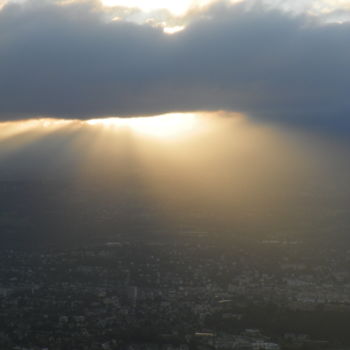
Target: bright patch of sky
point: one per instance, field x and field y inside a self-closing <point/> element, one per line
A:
<point x="313" y="7"/>
<point x="180" y="7"/>
<point x="172" y="15"/>
<point x="176" y="7"/>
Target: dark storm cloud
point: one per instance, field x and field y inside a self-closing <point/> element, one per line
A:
<point x="71" y="61"/>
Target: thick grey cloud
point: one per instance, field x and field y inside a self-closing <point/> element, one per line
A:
<point x="71" y="61"/>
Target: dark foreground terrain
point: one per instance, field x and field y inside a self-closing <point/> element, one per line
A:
<point x="112" y="273"/>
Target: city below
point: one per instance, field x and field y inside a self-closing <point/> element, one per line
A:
<point x="171" y="287"/>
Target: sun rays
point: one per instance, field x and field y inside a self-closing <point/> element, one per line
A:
<point x="220" y="162"/>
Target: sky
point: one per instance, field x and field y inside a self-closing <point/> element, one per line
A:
<point x="240" y="108"/>
<point x="271" y="60"/>
<point x="164" y="71"/>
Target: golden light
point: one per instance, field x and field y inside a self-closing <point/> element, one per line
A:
<point x="16" y="135"/>
<point x="16" y="128"/>
<point x="167" y="126"/>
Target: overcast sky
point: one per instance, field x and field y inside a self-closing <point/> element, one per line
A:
<point x="82" y="60"/>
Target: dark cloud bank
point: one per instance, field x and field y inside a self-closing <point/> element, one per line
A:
<point x="72" y="62"/>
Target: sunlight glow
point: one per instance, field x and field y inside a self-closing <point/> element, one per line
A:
<point x="164" y="126"/>
<point x="15" y="128"/>
<point x="19" y="134"/>
<point x="173" y="30"/>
